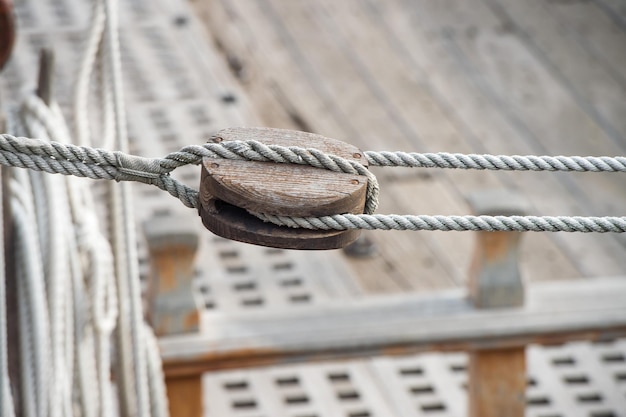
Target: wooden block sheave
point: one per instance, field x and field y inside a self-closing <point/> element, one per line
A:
<point x="229" y="189"/>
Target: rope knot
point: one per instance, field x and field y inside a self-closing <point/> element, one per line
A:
<point x="253" y="150"/>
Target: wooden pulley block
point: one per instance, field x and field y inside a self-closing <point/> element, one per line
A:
<point x="229" y="189"/>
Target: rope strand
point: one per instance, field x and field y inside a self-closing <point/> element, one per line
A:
<point x="453" y="223"/>
<point x="82" y="161"/>
<point x="498" y="162"/>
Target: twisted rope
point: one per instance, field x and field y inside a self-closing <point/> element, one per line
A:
<point x="498" y="162"/>
<point x="82" y="161"/>
<point x="453" y="223"/>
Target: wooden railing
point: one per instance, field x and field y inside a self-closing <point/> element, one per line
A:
<point x="494" y="320"/>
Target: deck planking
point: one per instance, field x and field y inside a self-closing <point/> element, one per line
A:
<point x="446" y="76"/>
<point x="176" y="82"/>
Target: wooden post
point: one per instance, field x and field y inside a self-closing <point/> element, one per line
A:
<point x="172" y="243"/>
<point x="497" y="377"/>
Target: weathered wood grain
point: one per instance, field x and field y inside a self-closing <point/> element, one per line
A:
<point x="230" y="188"/>
<point x="386" y="76"/>
<point x="235" y="223"/>
<point x="596" y="86"/>
<point x="527" y="91"/>
<point x="600" y="26"/>
<point x="286" y="189"/>
<point x="497" y="383"/>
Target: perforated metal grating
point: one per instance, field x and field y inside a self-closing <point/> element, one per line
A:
<point x="179" y="91"/>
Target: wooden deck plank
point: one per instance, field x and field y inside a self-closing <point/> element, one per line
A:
<point x="300" y="92"/>
<point x="252" y="44"/>
<point x="410" y="106"/>
<point x="469" y="103"/>
<point x="542" y="251"/>
<point x="591" y="83"/>
<point x="531" y="85"/>
<point x="600" y="26"/>
<point x="487" y="121"/>
<point x="558" y="118"/>
<point x="333" y="77"/>
<point x="454" y="252"/>
<point x="399" y="106"/>
<point x="388" y="78"/>
<point x="426" y="98"/>
<point x="434" y="128"/>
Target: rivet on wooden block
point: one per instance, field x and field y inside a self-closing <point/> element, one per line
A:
<point x="172" y="244"/>
<point x="231" y="188"/>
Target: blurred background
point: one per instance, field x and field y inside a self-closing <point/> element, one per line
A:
<point x="541" y="77"/>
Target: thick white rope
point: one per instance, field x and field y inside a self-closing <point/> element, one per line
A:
<point x="130" y="319"/>
<point x="84" y="343"/>
<point x="79" y="335"/>
<point x="102" y="56"/>
<point x="84" y="350"/>
<point x="158" y="395"/>
<point x="97" y="163"/>
<point x="132" y="353"/>
<point x="52" y="193"/>
<point x="62" y="283"/>
<point x="93" y="368"/>
<point x="32" y="302"/>
<point x="497" y="162"/>
<point x="81" y="95"/>
<point x="105" y="316"/>
<point x="103" y="164"/>
<point x="6" y="396"/>
<point x="454" y="223"/>
<point x="14" y="126"/>
<point x="97" y="399"/>
<point x="69" y="349"/>
<point x="34" y="320"/>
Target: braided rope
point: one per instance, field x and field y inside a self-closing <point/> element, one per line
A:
<point x="81" y="161"/>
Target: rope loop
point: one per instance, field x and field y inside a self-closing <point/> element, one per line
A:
<point x="252" y="150"/>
